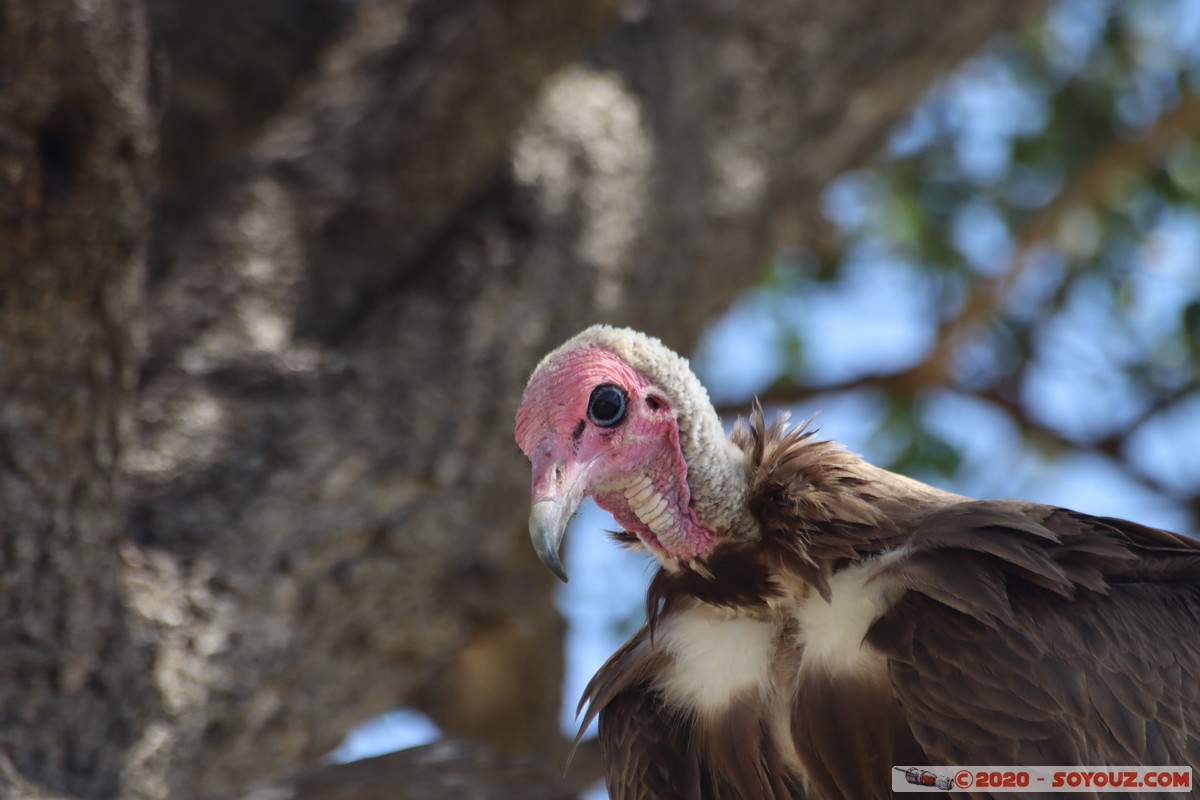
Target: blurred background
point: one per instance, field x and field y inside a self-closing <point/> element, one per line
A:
<point x="273" y="274"/>
<point x="1006" y="303"/>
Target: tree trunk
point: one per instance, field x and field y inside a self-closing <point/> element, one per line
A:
<point x="256" y="464"/>
<point x="77" y="140"/>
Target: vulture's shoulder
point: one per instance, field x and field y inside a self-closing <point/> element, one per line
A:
<point x="799" y="482"/>
<point x="814" y="495"/>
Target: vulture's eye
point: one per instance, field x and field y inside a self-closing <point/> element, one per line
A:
<point x="607" y="405"/>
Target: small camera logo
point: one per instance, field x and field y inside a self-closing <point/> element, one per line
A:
<point x="923" y="777"/>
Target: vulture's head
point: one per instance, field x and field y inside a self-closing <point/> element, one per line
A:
<point x="615" y="415"/>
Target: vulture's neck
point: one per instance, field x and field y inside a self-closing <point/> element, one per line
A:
<point x="717" y="475"/>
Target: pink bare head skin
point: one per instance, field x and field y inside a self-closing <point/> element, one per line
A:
<point x="664" y="468"/>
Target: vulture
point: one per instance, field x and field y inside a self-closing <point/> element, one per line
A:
<point x="815" y="621"/>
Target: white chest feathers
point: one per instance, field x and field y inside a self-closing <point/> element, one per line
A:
<point x="716" y="657"/>
<point x="831" y="633"/>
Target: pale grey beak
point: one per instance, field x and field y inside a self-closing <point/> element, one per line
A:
<point x="548" y="520"/>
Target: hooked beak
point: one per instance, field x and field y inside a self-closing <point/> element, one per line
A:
<point x="556" y="494"/>
<point x="547" y="524"/>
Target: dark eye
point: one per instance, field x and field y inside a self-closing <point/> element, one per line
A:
<point x="607" y="405"/>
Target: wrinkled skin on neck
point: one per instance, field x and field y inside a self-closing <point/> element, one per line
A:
<point x="635" y="470"/>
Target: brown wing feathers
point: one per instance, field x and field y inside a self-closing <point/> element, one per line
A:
<point x="1065" y="643"/>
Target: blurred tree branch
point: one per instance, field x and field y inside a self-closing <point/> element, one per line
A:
<point x="912" y="382"/>
<point x="1087" y="185"/>
<point x="451" y="768"/>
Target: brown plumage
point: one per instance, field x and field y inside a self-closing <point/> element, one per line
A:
<point x="862" y="620"/>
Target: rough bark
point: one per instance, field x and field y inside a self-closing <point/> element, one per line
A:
<point x="76" y="140"/>
<point x="225" y="67"/>
<point x="299" y="503"/>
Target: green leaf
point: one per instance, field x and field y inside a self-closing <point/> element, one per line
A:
<point x="1191" y="324"/>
